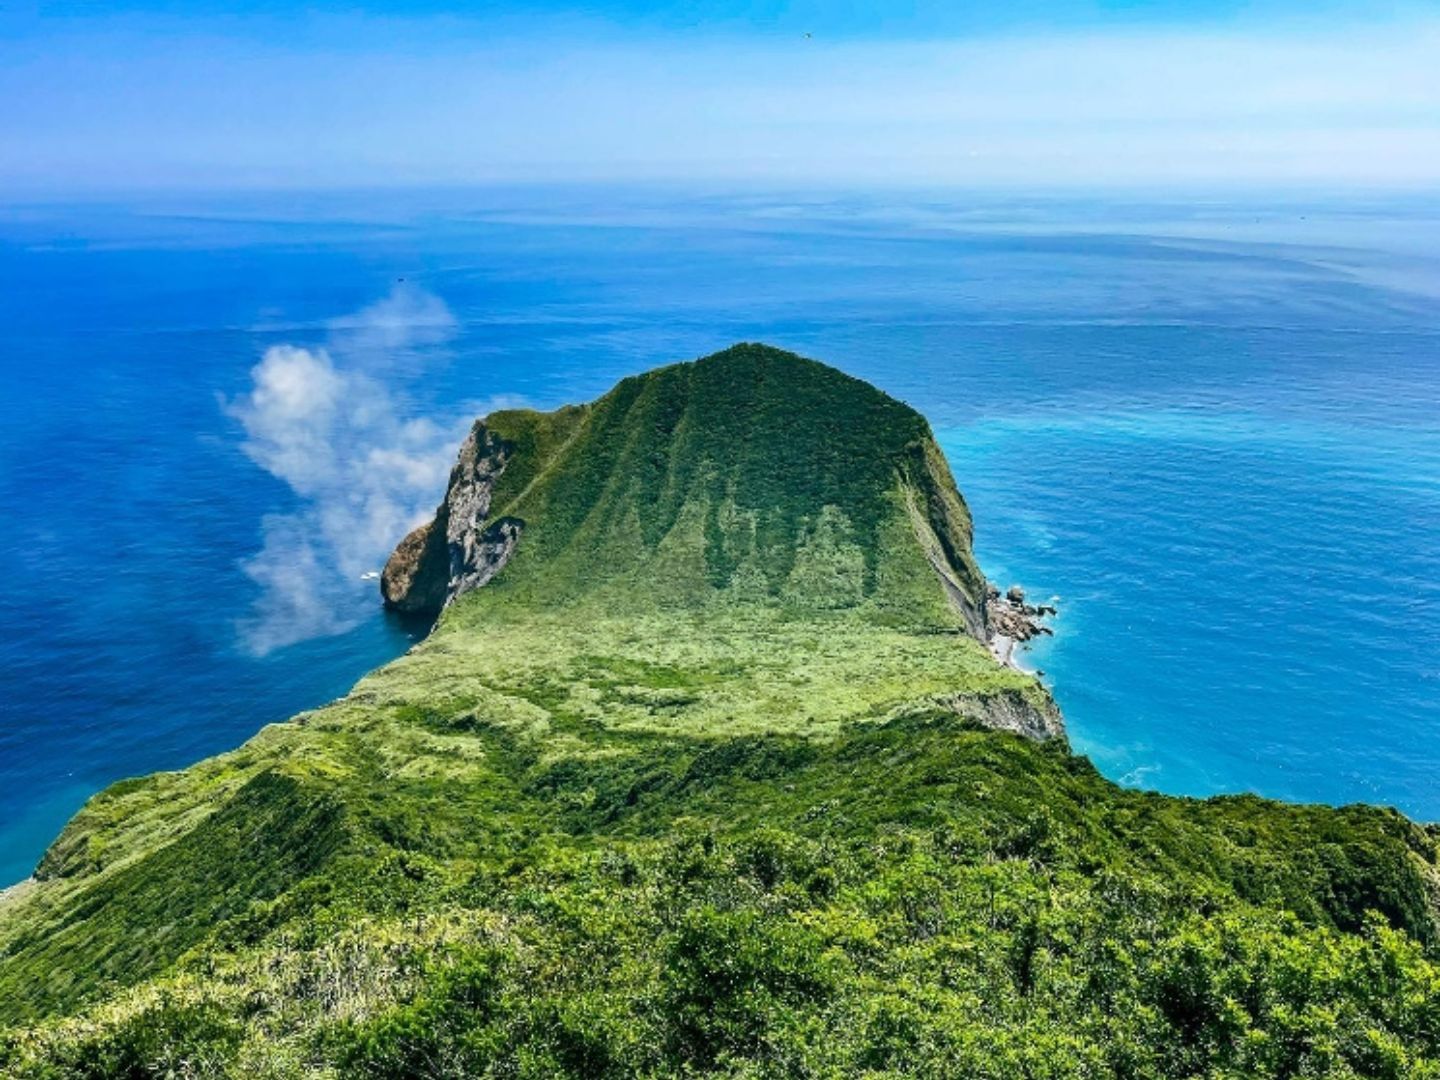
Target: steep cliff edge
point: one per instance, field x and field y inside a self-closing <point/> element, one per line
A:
<point x="459" y="549"/>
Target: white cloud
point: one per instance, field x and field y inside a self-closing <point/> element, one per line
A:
<point x="331" y="429"/>
<point x="407" y="320"/>
<point x="298" y="594"/>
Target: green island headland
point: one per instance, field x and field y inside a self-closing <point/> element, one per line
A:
<point x="708" y="767"/>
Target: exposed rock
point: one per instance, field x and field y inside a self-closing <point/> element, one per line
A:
<point x="414" y="579"/>
<point x="1029" y="713"/>
<point x="477" y="549"/>
<point x="17" y="891"/>
<point x="480" y="555"/>
<point x="941" y="521"/>
<point x="467" y="500"/>
<point x="460" y="549"/>
<point x="1011" y="620"/>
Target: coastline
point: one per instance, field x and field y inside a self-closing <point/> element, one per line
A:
<point x="14" y="892"/>
<point x="1014" y="622"/>
<point x="1007" y="651"/>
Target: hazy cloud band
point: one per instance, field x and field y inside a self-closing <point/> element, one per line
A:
<point x="1345" y="102"/>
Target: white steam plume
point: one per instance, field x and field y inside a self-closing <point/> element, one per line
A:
<point x="325" y="422"/>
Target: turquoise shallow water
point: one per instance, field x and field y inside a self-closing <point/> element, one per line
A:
<point x="1210" y="427"/>
<point x="1245" y="599"/>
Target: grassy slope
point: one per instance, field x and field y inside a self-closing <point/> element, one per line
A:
<point x="750" y="477"/>
<point x="673" y="794"/>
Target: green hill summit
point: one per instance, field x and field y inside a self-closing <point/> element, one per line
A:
<point x="707" y="769"/>
<point x="749" y="477"/>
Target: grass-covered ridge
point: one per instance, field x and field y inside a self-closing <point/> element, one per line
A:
<point x="753" y="476"/>
<point x="696" y="786"/>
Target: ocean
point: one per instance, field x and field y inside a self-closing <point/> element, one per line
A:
<point x="1208" y="426"/>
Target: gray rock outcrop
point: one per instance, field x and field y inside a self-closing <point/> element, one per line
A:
<point x="460" y="549"/>
<point x="1034" y="715"/>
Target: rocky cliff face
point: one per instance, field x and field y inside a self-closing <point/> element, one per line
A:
<point x="461" y="549"/>
<point x="413" y="580"/>
<point x="1032" y="714"/>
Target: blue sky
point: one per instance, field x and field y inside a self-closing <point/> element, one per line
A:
<point x="129" y="95"/>
<point x="907" y="18"/>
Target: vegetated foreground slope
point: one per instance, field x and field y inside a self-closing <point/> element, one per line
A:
<point x="701" y="782"/>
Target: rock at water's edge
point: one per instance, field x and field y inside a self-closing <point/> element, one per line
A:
<point x="413" y="582"/>
<point x="459" y="550"/>
<point x="1010" y="617"/>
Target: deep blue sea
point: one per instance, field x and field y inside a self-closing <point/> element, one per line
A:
<point x="1209" y="426"/>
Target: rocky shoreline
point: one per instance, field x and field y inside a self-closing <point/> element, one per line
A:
<point x="1013" y="621"/>
<point x="14" y="892"/>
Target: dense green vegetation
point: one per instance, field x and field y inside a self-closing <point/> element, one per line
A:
<point x="699" y="786"/>
<point x="919" y="897"/>
<point x="751" y="476"/>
